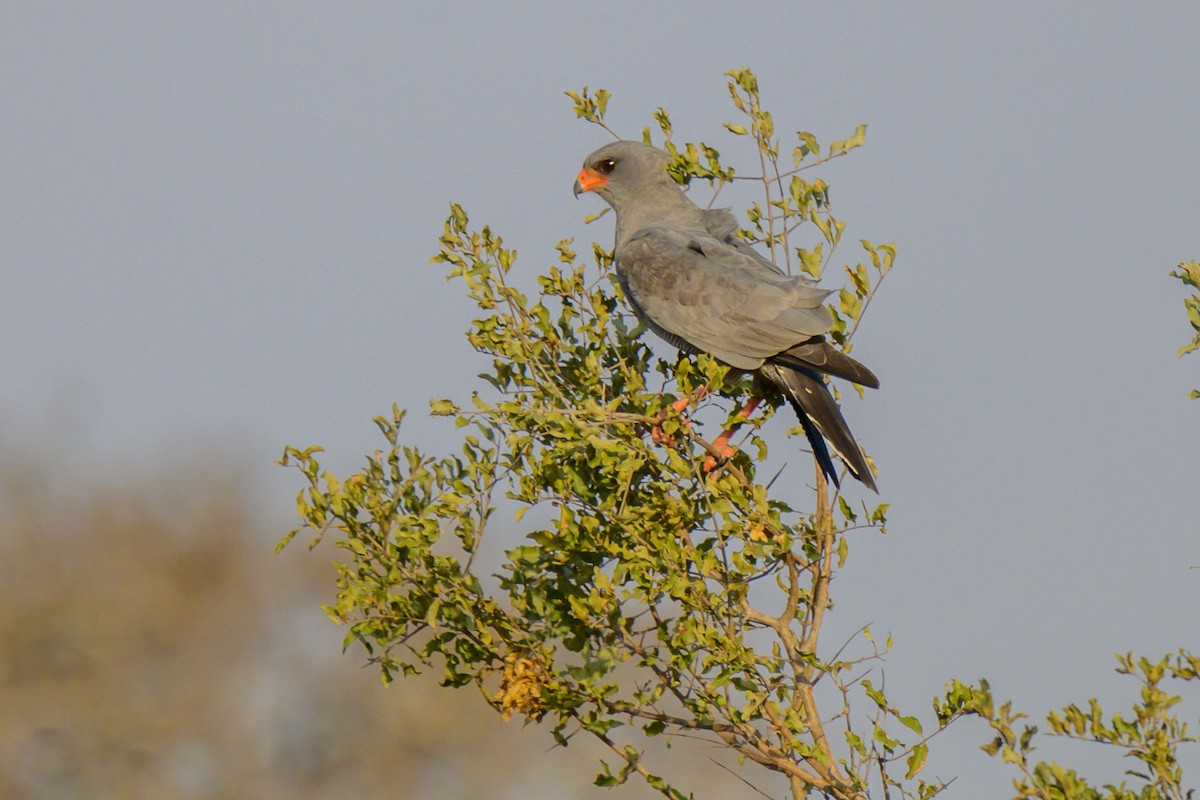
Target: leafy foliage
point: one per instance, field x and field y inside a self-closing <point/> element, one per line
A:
<point x="653" y="597"/>
<point x="1189" y="273"/>
<point x="1151" y="734"/>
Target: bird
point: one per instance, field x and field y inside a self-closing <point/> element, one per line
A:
<point x="692" y="280"/>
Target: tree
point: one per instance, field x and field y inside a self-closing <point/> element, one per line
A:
<point x="652" y="597"/>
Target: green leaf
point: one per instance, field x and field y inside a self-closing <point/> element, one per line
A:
<point x="916" y="760"/>
<point x="848" y="144"/>
<point x="606" y="778"/>
<point x="442" y="407"/>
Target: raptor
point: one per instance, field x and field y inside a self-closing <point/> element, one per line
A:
<point x="692" y="280"/>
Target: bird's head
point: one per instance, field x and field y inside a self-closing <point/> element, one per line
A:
<point x="624" y="170"/>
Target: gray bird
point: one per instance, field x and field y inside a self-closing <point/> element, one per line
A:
<point x="694" y="282"/>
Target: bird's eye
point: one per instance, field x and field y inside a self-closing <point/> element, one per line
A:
<point x="606" y="166"/>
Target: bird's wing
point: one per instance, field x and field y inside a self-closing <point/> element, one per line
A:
<point x="696" y="290"/>
<point x="721" y="223"/>
<point x="816" y="352"/>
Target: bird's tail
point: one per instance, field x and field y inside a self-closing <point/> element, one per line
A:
<point x="822" y="421"/>
<point x="818" y="354"/>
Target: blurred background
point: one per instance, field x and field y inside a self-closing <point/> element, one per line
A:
<point x="155" y="648"/>
<point x="214" y="228"/>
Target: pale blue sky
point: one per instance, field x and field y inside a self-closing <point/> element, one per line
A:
<point x="215" y="223"/>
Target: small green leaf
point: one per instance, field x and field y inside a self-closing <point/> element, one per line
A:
<point x="442" y="407"/>
<point x="916" y="760"/>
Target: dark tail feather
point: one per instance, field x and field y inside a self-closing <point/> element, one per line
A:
<point x="819" y="449"/>
<point x="822" y="420"/>
<point x="820" y="355"/>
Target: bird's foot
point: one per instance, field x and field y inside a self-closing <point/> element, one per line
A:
<point x="657" y="435"/>
<point x="719" y="452"/>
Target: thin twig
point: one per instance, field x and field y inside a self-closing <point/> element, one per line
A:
<point x="740" y="778"/>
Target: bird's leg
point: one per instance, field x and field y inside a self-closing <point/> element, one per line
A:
<point x="721" y="444"/>
<point x="656" y="433"/>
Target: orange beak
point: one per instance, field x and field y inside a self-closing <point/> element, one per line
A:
<point x="588" y="180"/>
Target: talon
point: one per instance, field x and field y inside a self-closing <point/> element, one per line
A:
<point x="721" y="444"/>
<point x="656" y="433"/>
<point x="725" y="451"/>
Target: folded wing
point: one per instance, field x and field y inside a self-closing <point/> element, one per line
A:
<point x="700" y="292"/>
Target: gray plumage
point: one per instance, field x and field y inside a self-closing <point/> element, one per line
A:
<point x="694" y="282"/>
